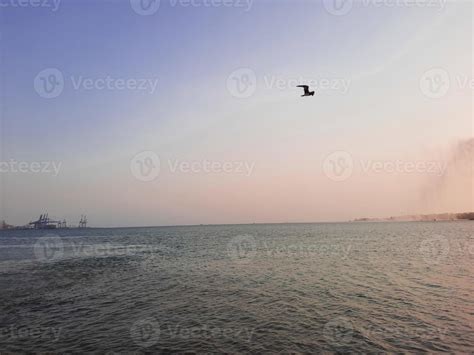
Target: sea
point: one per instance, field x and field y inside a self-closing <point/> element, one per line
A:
<point x="261" y="288"/>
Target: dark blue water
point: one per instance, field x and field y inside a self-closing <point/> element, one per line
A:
<point x="366" y="287"/>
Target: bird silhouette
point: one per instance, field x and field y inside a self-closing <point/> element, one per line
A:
<point x="306" y="90"/>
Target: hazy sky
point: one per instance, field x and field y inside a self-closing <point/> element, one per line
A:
<point x="210" y="92"/>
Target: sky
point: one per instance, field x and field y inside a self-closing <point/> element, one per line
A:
<point x="142" y="113"/>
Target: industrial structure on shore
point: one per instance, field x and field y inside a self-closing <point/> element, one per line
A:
<point x="83" y="222"/>
<point x="44" y="222"/>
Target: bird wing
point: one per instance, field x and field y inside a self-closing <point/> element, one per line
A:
<point x="305" y="87"/>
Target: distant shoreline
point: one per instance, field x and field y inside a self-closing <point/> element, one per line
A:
<point x="437" y="217"/>
<point x="441" y="217"/>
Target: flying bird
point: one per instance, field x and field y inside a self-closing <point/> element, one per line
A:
<point x="306" y="90"/>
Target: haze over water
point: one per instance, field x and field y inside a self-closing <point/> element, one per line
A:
<point x="366" y="287"/>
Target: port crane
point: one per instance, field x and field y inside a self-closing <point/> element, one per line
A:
<point x="44" y="222"/>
